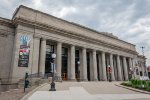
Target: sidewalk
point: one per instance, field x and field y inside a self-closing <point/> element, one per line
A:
<point x="86" y="91"/>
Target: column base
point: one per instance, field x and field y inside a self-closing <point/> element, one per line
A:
<point x="95" y="80"/>
<point x="72" y="80"/>
<point x="104" y="80"/>
<point x="85" y="80"/>
<point x="120" y="80"/>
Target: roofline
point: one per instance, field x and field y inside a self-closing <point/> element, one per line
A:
<point x="6" y="22"/>
<point x="5" y="19"/>
<point x="22" y="6"/>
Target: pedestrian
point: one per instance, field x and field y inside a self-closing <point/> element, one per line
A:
<point x="26" y="82"/>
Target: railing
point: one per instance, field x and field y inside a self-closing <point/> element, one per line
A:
<point x="38" y="75"/>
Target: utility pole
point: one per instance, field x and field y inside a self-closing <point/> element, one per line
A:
<point x="145" y="73"/>
<point x="142" y="49"/>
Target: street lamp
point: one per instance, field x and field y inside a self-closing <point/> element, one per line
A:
<point x="78" y="71"/>
<point x="131" y="72"/>
<point x="109" y="72"/>
<point x="53" y="83"/>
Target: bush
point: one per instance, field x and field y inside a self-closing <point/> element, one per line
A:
<point x="148" y="84"/>
<point x="140" y="84"/>
<point x="135" y="82"/>
<point x="126" y="84"/>
<point x="148" y="89"/>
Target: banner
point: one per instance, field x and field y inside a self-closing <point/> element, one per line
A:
<point x="53" y="67"/>
<point x="24" y="51"/>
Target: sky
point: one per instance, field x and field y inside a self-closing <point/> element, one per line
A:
<point x="129" y="20"/>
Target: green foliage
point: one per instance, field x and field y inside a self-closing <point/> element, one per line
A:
<point x="126" y="83"/>
<point x="148" y="83"/>
<point x="148" y="89"/>
<point x="140" y="84"/>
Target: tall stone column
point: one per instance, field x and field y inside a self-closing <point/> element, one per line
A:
<point x="104" y="66"/>
<point x="125" y="68"/>
<point x="131" y="67"/>
<point x="72" y="60"/>
<point x="95" y="75"/>
<point x="69" y="65"/>
<point x="58" y="59"/>
<point x="134" y="64"/>
<point x="84" y="64"/>
<point x="112" y="68"/>
<point x="115" y="68"/>
<point x="91" y="67"/>
<point x="80" y="66"/>
<point x="100" y="67"/>
<point x="119" y="68"/>
<point x="130" y="63"/>
<point x="42" y="57"/>
<point x="36" y="47"/>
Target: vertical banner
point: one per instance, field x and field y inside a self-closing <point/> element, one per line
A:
<point x="24" y="51"/>
<point x="53" y="67"/>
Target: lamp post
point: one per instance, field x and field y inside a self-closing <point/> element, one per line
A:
<point x="53" y="83"/>
<point x="78" y="71"/>
<point x="109" y="72"/>
<point x="131" y="72"/>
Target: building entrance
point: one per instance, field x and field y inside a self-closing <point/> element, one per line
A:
<point x="64" y="63"/>
<point x="48" y="59"/>
<point x="77" y="69"/>
<point x="88" y="65"/>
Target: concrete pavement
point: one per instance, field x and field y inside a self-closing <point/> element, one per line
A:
<point x="87" y="91"/>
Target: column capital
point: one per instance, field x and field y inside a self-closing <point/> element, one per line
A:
<point x="93" y="50"/>
<point x="84" y="48"/>
<point x="111" y="54"/>
<point x="72" y="45"/>
<point x="118" y="55"/>
<point x="102" y="51"/>
<point x="59" y="42"/>
<point x="124" y="57"/>
<point x="43" y="39"/>
<point x="36" y="37"/>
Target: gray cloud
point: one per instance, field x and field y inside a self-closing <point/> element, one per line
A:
<point x="127" y="19"/>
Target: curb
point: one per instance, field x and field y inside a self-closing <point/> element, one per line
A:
<point x="133" y="89"/>
<point x="31" y="92"/>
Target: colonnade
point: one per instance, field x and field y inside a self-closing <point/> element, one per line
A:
<point x="98" y="63"/>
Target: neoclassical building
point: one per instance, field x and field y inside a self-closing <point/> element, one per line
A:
<point x="28" y="40"/>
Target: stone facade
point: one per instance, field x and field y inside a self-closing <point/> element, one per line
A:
<point x="96" y="50"/>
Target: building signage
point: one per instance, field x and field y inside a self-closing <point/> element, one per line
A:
<point x="24" y="51"/>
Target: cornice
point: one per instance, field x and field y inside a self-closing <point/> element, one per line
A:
<point x="6" y="22"/>
<point x="75" y="24"/>
<point x="66" y="33"/>
<point x="6" y="32"/>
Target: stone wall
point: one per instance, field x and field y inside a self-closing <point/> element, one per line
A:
<point x="6" y="50"/>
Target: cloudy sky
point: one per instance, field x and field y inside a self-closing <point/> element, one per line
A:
<point x="127" y="19"/>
